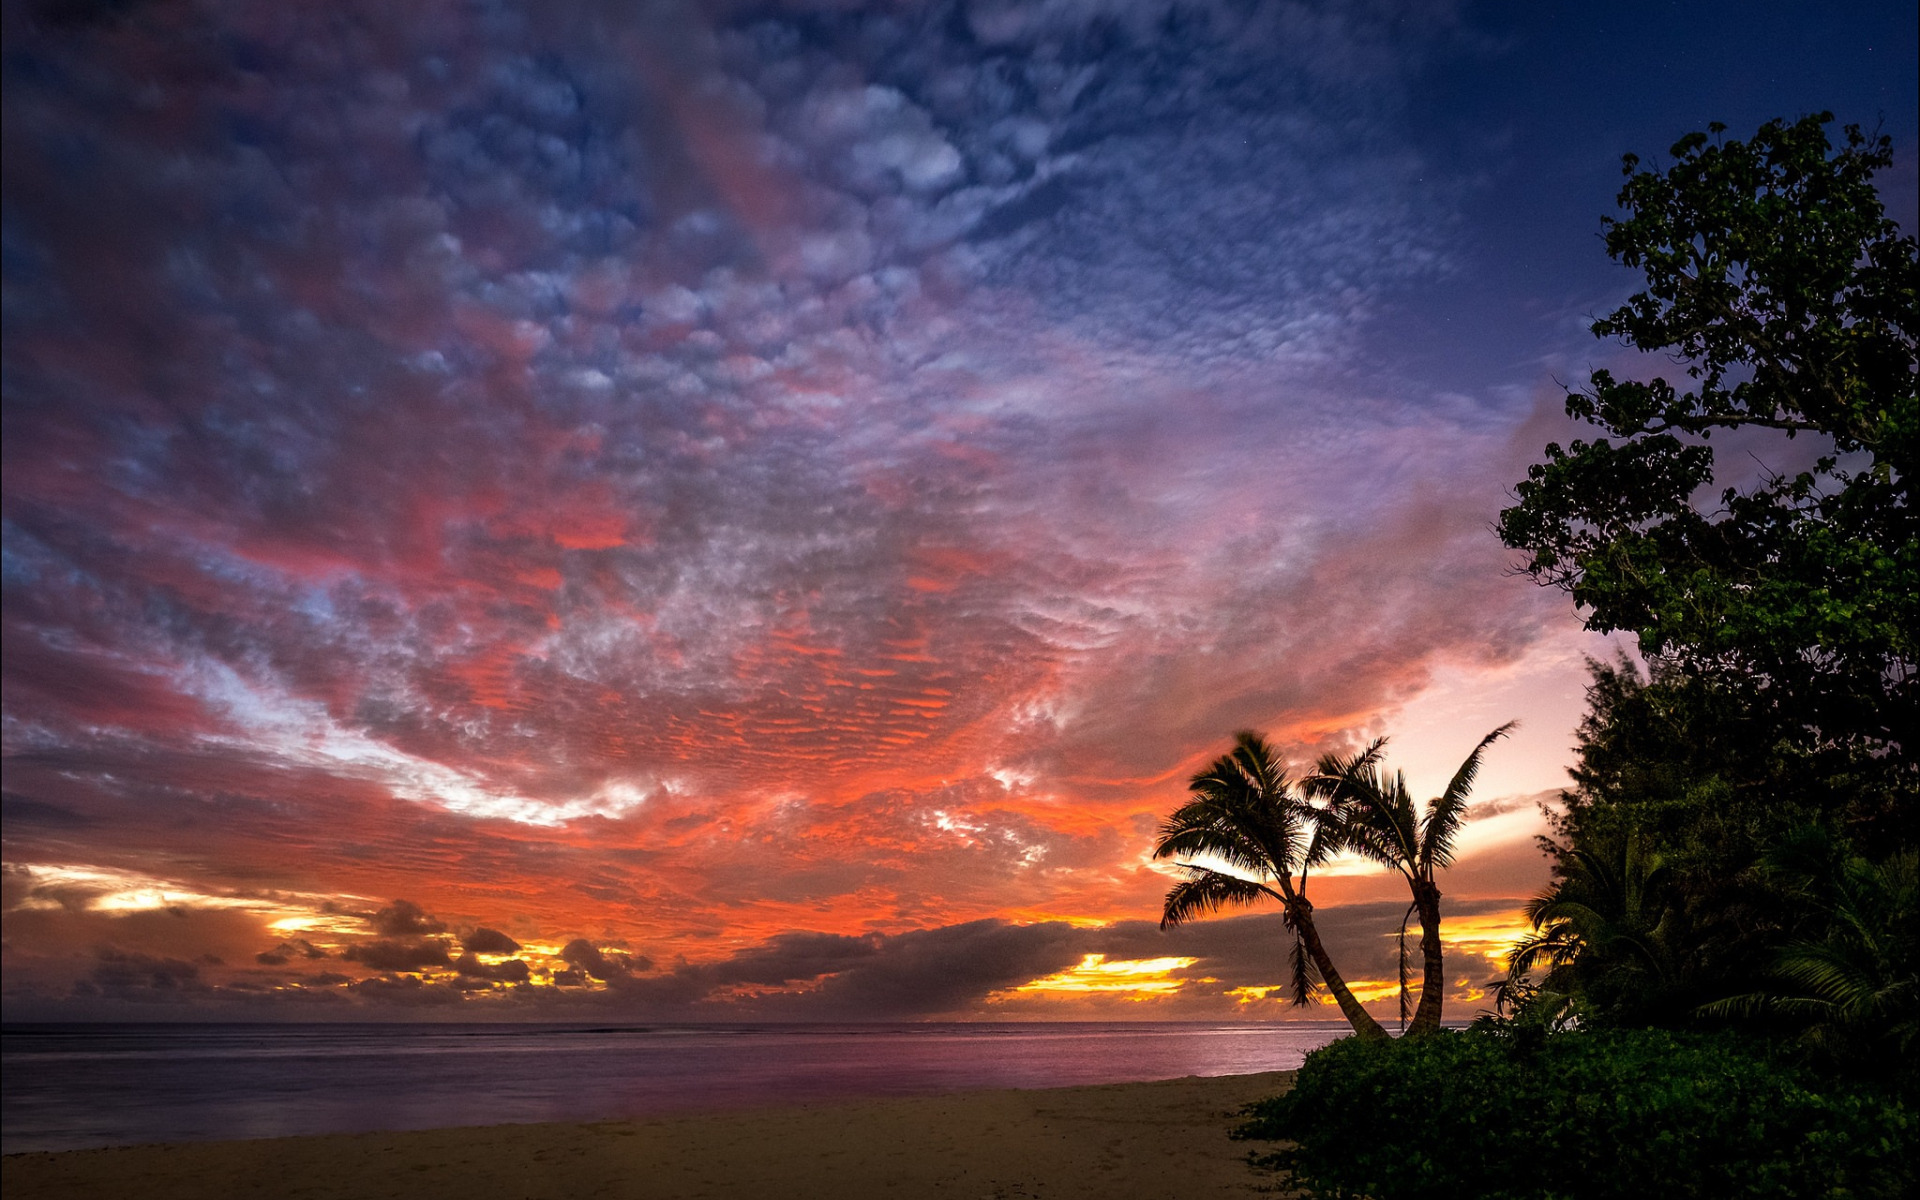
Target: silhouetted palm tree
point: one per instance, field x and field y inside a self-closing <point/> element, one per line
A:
<point x="1854" y="990"/>
<point x="1376" y="817"/>
<point x="1246" y="815"/>
<point x="1603" y="933"/>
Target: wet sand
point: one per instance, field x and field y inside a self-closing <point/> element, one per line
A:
<point x="1151" y="1141"/>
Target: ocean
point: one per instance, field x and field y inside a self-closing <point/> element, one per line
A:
<point x="68" y="1087"/>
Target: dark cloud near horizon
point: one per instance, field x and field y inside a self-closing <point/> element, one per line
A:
<point x="17" y="809"/>
<point x="513" y="970"/>
<point x="405" y="991"/>
<point x="489" y="941"/>
<point x="606" y="966"/>
<point x="810" y="976"/>
<point x="287" y="951"/>
<point x="403" y="918"/>
<point x="944" y="970"/>
<point x="387" y="954"/>
<point x="131" y="975"/>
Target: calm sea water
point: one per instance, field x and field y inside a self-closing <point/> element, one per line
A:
<point x="69" y="1087"/>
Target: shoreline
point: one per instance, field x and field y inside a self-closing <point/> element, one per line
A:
<point x="1166" y="1138"/>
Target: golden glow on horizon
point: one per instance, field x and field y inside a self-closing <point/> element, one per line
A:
<point x="319" y="922"/>
<point x="1488" y="936"/>
<point x="1366" y="991"/>
<point x="1128" y="976"/>
<point x="119" y="893"/>
<point x="337" y="940"/>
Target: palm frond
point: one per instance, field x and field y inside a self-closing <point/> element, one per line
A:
<point x="1275" y="819"/>
<point x="1263" y="767"/>
<point x="1552" y="947"/>
<point x="1741" y="1007"/>
<point x="1360" y="834"/>
<point x="1448" y="812"/>
<point x="1565" y="910"/>
<point x="1322" y="844"/>
<point x="1207" y="891"/>
<point x="1230" y="824"/>
<point x="1243" y="810"/>
<point x="1400" y="816"/>
<point x="1333" y="770"/>
<point x="1305" y="981"/>
<point x="1229" y="845"/>
<point x="1373" y="815"/>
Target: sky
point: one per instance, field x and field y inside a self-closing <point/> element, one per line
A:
<point x="754" y="511"/>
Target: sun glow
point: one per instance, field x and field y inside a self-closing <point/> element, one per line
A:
<point x="1137" y="976"/>
<point x="1490" y="936"/>
<point x="320" y="921"/>
<point x="111" y="890"/>
<point x="1367" y="990"/>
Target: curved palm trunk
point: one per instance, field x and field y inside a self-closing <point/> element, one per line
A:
<point x="1433" y="985"/>
<point x="1301" y="913"/>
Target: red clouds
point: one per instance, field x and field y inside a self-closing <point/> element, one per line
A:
<point x="669" y="502"/>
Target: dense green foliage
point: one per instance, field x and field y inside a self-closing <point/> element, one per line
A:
<point x="1518" y="1114"/>
<point x="1853" y="992"/>
<point x="1774" y="276"/>
<point x="1705" y="874"/>
<point x="1720" y="994"/>
<point x="1778" y="624"/>
<point x="1660" y="904"/>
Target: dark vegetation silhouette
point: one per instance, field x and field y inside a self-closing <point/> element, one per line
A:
<point x="1720" y="995"/>
<point x="1602" y="940"/>
<point x="1247" y="813"/>
<point x="1853" y="993"/>
<point x="1375" y="816"/>
<point x="1778" y="622"/>
<point x="1776" y="280"/>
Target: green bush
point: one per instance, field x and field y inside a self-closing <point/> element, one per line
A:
<point x="1582" y="1115"/>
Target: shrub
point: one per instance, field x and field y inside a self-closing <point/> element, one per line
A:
<point x="1586" y="1115"/>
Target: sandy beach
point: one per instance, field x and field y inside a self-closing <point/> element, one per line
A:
<point x="1147" y="1140"/>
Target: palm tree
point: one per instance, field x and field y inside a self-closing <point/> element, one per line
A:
<point x="1603" y="934"/>
<point x="1376" y="817"/>
<point x="1854" y="989"/>
<point x="1245" y="815"/>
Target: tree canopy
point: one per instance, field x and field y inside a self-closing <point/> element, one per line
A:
<point x="1739" y="847"/>
<point x="1777" y="618"/>
<point x="1776" y="281"/>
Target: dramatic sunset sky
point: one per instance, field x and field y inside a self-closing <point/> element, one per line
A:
<point x="753" y="511"/>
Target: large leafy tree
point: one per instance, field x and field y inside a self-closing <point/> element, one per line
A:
<point x="1375" y="815"/>
<point x="1247" y="815"/>
<point x="1777" y="618"/>
<point x="1775" y="280"/>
